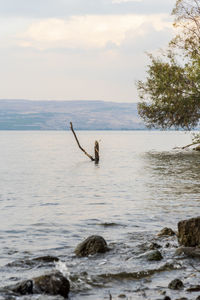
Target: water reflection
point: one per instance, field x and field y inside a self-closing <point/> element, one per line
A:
<point x="178" y="167"/>
<point x="173" y="180"/>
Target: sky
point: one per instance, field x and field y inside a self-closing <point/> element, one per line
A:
<point x="79" y="49"/>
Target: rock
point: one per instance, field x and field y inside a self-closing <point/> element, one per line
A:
<point x="198" y="298"/>
<point x="52" y="284"/>
<point x="23" y="288"/>
<point x="154" y="255"/>
<point x="175" y="284"/>
<point x="92" y="245"/>
<point x="189" y="232"/>
<point x="166" y="232"/>
<point x="46" y="259"/>
<point x="193" y="288"/>
<point x="182" y="298"/>
<point x="154" y="246"/>
<point x="167" y="298"/>
<point x="189" y="251"/>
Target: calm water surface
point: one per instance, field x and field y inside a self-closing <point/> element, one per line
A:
<point x="52" y="197"/>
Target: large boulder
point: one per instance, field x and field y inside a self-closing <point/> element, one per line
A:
<point x="51" y="284"/>
<point x="189" y="232"/>
<point x="92" y="245"/>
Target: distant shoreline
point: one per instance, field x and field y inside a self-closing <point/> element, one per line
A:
<point x="29" y="115"/>
<point x="57" y="130"/>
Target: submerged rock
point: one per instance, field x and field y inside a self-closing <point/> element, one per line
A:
<point x="47" y="259"/>
<point x="166" y="232"/>
<point x="189" y="232"/>
<point x="154" y="255"/>
<point x="51" y="284"/>
<point x="92" y="245"/>
<point x="193" y="288"/>
<point x="175" y="284"/>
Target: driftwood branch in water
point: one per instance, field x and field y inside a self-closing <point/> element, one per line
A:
<point x="88" y="155"/>
<point x="187" y="146"/>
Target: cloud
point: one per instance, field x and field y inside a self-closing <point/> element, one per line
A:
<point x="88" y="32"/>
<point x="63" y="8"/>
<point x="78" y="49"/>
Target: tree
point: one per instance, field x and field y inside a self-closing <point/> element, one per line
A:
<point x="170" y="96"/>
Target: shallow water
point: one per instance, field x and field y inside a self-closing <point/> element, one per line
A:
<point x="52" y="197"/>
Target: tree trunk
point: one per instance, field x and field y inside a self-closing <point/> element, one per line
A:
<point x="96" y="152"/>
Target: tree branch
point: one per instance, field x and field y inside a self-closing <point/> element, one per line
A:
<point x="88" y="155"/>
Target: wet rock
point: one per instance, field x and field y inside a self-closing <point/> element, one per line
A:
<point x="182" y="298"/>
<point x="167" y="298"/>
<point x="23" y="288"/>
<point x="166" y="232"/>
<point x="46" y="259"/>
<point x="122" y="296"/>
<point x="175" y="284"/>
<point x="189" y="232"/>
<point x="92" y="245"/>
<point x="193" y="288"/>
<point x="154" y="255"/>
<point x="167" y="245"/>
<point x="154" y="246"/>
<point x="52" y="284"/>
<point x="198" y="298"/>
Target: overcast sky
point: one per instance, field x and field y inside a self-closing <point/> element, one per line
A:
<point x="79" y="49"/>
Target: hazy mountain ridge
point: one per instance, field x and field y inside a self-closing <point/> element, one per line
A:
<point x="56" y="115"/>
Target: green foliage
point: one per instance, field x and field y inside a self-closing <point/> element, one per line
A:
<point x="170" y="96"/>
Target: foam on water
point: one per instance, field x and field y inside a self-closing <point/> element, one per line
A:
<point x="62" y="267"/>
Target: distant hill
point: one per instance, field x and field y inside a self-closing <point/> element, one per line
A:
<point x="56" y="115"/>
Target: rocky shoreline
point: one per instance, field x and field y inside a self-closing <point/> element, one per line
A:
<point x="187" y="247"/>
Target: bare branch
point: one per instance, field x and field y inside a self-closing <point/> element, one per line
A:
<point x="88" y="155"/>
<point x="187" y="146"/>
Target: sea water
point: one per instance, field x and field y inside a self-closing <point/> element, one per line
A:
<point x="52" y="197"/>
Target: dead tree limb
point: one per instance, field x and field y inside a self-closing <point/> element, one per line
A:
<point x="187" y="146"/>
<point x="88" y="155"/>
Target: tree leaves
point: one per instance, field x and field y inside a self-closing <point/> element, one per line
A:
<point x="170" y="96"/>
